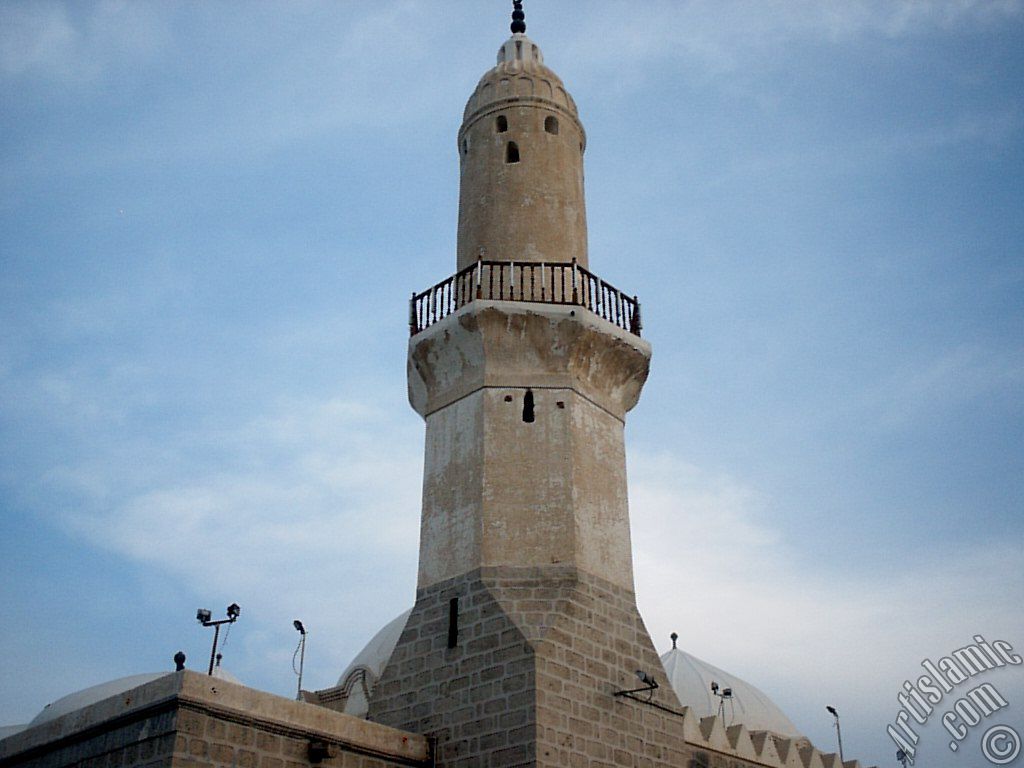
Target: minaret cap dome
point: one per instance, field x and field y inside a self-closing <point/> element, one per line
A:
<point x="520" y="75"/>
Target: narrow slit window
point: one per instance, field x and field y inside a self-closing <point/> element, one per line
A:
<point x="528" y="415"/>
<point x="465" y="147"/>
<point x="501" y="123"/>
<point x="512" y="152"/>
<point x="551" y="124"/>
<point x="453" y="622"/>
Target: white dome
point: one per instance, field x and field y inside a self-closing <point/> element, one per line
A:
<point x="89" y="696"/>
<point x="366" y="668"/>
<point x="96" y="693"/>
<point x="222" y="674"/>
<point x="10" y="730"/>
<point x="691" y="679"/>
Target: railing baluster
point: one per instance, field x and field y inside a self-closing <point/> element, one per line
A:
<point x="564" y="283"/>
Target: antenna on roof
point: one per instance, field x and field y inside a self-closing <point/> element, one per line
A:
<point x="518" y="18"/>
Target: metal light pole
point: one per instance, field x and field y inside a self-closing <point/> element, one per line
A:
<point x="301" y="650"/>
<point x="203" y="616"/>
<point x="839" y="733"/>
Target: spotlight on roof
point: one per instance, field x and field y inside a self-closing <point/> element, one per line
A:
<point x="727" y="693"/>
<point x="839" y="732"/>
<point x="300" y="651"/>
<point x="204" y="617"/>
<point x="645" y="678"/>
<point x="649" y="685"/>
<point x="714" y="687"/>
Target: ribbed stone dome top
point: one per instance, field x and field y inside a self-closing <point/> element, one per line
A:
<point x="691" y="679"/>
<point x="520" y="75"/>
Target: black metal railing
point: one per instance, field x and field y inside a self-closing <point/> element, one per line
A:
<point x="525" y="281"/>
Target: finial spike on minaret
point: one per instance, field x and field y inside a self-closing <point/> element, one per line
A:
<point x="518" y="18"/>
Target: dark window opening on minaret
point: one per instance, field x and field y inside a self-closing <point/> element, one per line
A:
<point x="551" y="124"/>
<point x="465" y="147"/>
<point x="501" y="123"/>
<point x="453" y="622"/>
<point x="528" y="416"/>
<point x="512" y="153"/>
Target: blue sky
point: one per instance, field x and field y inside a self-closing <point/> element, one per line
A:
<point x="213" y="214"/>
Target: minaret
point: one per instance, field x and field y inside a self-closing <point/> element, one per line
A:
<point x="523" y="365"/>
<point x="521" y="150"/>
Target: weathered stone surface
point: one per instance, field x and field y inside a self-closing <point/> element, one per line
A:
<point x="530" y="208"/>
<point x="525" y="459"/>
<point x="187" y="719"/>
<point x="555" y="707"/>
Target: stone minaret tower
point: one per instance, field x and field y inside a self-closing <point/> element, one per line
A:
<point x="524" y="365"/>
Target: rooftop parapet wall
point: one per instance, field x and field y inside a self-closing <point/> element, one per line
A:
<point x="186" y="719"/>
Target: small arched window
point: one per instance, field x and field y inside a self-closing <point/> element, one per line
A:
<point x="551" y="124"/>
<point x="501" y="123"/>
<point x="512" y="152"/>
<point x="465" y="147"/>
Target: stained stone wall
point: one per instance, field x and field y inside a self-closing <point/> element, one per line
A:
<point x="539" y="654"/>
<point x="188" y="720"/>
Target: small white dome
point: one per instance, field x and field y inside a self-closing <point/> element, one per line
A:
<point x="96" y="693"/>
<point x="222" y="674"/>
<point x="10" y="730"/>
<point x="691" y="679"/>
<point x="366" y="668"/>
<point x="91" y="695"/>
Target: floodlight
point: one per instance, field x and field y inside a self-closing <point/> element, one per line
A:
<point x="298" y="625"/>
<point x="644" y="677"/>
<point x="839" y="732"/>
<point x="203" y="615"/>
<point x="233" y="611"/>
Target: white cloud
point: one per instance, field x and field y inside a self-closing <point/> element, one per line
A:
<point x="927" y="388"/>
<point x="310" y="501"/>
<point x="721" y="36"/>
<point x="44" y="39"/>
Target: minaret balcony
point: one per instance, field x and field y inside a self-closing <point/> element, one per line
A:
<point x="562" y="283"/>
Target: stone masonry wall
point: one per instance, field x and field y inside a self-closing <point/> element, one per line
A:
<point x="188" y="720"/>
<point x="531" y="681"/>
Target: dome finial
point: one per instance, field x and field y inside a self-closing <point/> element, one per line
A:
<point x="674" y="637"/>
<point x="518" y="18"/>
